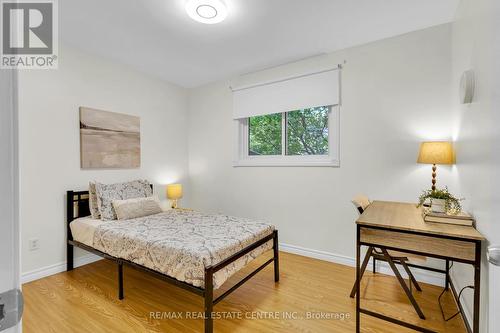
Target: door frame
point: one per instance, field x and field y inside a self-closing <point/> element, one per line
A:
<point x="9" y="180"/>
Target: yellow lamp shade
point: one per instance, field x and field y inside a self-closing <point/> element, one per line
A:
<point x="174" y="191"/>
<point x="436" y="152"/>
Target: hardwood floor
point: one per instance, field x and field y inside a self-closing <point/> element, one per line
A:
<point x="85" y="300"/>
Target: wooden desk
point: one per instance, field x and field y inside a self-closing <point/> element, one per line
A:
<point x="400" y="226"/>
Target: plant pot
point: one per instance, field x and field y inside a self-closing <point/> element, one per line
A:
<point x="438" y="205"/>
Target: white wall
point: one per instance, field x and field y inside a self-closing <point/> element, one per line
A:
<point x="49" y="143"/>
<point x="395" y="93"/>
<point x="476" y="45"/>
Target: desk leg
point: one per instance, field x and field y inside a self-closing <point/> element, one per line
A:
<point x="358" y="276"/>
<point x="477" y="283"/>
<point x="362" y="270"/>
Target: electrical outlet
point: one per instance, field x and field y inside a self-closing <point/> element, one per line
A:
<point x="34" y="244"/>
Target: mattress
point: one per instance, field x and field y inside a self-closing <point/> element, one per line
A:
<point x="178" y="243"/>
<point x="83" y="229"/>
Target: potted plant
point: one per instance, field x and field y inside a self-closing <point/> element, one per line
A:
<point x="442" y="201"/>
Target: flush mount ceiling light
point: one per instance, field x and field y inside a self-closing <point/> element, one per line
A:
<point x="206" y="11"/>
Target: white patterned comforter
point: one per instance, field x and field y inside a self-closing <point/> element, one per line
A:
<point x="182" y="243"/>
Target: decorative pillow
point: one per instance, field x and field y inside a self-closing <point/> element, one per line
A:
<point x="120" y="191"/>
<point x="138" y="207"/>
<point x="93" y="206"/>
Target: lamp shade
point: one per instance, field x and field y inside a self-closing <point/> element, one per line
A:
<point x="174" y="191"/>
<point x="436" y="152"/>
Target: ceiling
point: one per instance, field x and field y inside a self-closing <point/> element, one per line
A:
<point x="158" y="38"/>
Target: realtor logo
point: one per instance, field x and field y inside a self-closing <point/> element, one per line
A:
<point x="29" y="34"/>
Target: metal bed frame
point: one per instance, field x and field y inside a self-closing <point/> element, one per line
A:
<point x="78" y="206"/>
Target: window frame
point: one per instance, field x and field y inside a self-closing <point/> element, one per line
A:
<point x="332" y="159"/>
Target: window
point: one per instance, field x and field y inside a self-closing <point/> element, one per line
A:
<point x="299" y="137"/>
<point x="307" y="131"/>
<point x="264" y="135"/>
<point x="289" y="120"/>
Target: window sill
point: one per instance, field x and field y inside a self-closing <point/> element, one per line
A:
<point x="285" y="163"/>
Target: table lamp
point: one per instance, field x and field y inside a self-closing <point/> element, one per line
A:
<point x="174" y="193"/>
<point x="436" y="152"/>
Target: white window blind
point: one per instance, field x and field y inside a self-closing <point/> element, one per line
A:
<point x="305" y="91"/>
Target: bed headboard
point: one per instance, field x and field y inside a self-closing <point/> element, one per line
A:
<point x="77" y="204"/>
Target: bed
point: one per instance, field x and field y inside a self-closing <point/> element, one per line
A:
<point x="195" y="251"/>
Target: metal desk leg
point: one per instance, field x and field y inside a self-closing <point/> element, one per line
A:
<point x="477" y="283"/>
<point x="358" y="276"/>
<point x="363" y="268"/>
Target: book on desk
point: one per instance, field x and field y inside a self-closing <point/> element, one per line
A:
<point x="456" y="219"/>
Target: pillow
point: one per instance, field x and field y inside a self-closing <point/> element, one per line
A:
<point x="120" y="191"/>
<point x="93" y="206"/>
<point x="138" y="207"/>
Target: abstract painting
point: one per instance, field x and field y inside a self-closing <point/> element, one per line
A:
<point x="109" y="140"/>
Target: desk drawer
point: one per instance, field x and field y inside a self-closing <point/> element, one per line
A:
<point x="451" y="248"/>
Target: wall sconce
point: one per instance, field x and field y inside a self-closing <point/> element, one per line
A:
<point x="467" y="87"/>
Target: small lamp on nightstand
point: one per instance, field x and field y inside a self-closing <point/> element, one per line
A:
<point x="436" y="152"/>
<point x="174" y="193"/>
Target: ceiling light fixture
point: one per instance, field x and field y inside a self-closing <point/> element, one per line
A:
<point x="206" y="11"/>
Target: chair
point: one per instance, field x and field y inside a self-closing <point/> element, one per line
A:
<point x="361" y="202"/>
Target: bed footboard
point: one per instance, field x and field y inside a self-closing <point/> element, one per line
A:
<point x="209" y="273"/>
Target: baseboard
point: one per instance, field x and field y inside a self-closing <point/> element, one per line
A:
<point x="382" y="267"/>
<point x="57" y="268"/>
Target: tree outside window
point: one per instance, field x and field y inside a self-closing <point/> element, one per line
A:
<point x="306" y="133"/>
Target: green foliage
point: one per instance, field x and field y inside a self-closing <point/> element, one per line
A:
<point x="265" y="135"/>
<point x="452" y="204"/>
<point x="307" y="133"/>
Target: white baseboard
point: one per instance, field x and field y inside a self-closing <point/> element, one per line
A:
<point x="57" y="268"/>
<point x="382" y="267"/>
